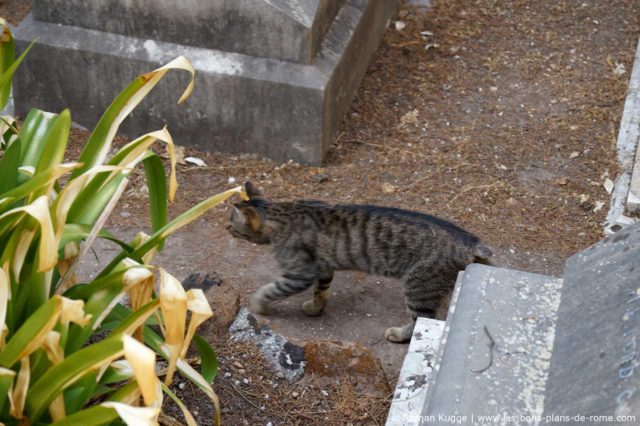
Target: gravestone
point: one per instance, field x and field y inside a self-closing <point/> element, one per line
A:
<point x="274" y="77"/>
<point x="595" y="368"/>
<point x="526" y="349"/>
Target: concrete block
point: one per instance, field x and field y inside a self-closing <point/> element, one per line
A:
<point x="289" y="30"/>
<point x="411" y="391"/>
<point x="630" y="134"/>
<point x="594" y="369"/>
<point x="241" y="104"/>
<point x="497" y="345"/>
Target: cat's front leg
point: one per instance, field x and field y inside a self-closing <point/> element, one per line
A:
<point x="284" y="286"/>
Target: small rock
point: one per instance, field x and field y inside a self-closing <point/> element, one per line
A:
<point x="279" y="375"/>
<point x="574" y="154"/>
<point x="227" y="374"/>
<point x="237" y="364"/>
<point x="620" y="69"/>
<point x="321" y="177"/>
<point x="242" y="371"/>
<point x="245" y="381"/>
<point x="400" y="25"/>
<point x="608" y="185"/>
<point x="182" y="385"/>
<point x="195" y="160"/>
<point x="387" y="188"/>
<point x="563" y="180"/>
<point x="295" y="394"/>
<point x="324" y="392"/>
<point x="237" y="382"/>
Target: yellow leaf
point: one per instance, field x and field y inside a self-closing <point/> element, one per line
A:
<point x="200" y="312"/>
<point x="135" y="416"/>
<point x="143" y="362"/>
<point x="73" y="311"/>
<point x="48" y="247"/>
<point x="173" y="304"/>
<point x="18" y="393"/>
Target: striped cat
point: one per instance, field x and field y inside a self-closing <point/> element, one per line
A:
<point x="311" y="240"/>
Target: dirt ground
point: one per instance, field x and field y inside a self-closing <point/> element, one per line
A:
<point x="500" y="115"/>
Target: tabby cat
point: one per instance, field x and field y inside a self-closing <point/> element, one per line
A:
<point x="311" y="240"/>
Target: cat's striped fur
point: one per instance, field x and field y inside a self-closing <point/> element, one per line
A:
<point x="311" y="240"/>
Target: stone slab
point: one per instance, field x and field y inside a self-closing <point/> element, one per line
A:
<point x="517" y="312"/>
<point x="594" y="369"/>
<point x="625" y="198"/>
<point x="411" y="391"/>
<point x="241" y="104"/>
<point x="289" y="30"/>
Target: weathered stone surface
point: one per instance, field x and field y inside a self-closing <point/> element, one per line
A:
<point x="224" y="300"/>
<point x="288" y="30"/>
<point x="411" y="391"/>
<point x="283" y="356"/>
<point x="241" y="104"/>
<point x="496" y="346"/>
<point x="594" y="367"/>
<point x="334" y="362"/>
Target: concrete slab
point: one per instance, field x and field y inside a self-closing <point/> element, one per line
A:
<point x="497" y="345"/>
<point x="411" y="391"/>
<point x="288" y="30"/>
<point x="594" y="368"/>
<point x="241" y="104"/>
<point x="626" y="193"/>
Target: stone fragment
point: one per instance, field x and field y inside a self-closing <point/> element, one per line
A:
<point x="285" y="358"/>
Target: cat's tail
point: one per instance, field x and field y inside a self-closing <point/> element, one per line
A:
<point x="482" y="254"/>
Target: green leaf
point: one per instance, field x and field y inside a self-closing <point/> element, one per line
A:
<point x="78" y="232"/>
<point x="35" y="129"/>
<point x="9" y="165"/>
<point x="163" y="233"/>
<point x="55" y="142"/>
<point x="93" y="416"/>
<point x="157" y="184"/>
<point x="209" y="368"/>
<point x="16" y="345"/>
<point x="78" y="395"/>
<point x="47" y="387"/>
<point x="7" y="58"/>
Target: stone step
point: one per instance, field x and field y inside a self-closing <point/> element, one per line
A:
<point x="495" y="351"/>
<point x="288" y="30"/>
<point x="411" y="391"/>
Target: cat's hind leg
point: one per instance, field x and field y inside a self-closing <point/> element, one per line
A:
<point x="424" y="287"/>
<point x="315" y="306"/>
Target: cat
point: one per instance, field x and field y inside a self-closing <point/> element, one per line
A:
<point x="311" y="240"/>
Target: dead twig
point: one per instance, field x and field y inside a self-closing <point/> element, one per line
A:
<point x="492" y="344"/>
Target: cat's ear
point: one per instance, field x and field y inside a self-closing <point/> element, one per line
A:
<point x="253" y="192"/>
<point x="249" y="216"/>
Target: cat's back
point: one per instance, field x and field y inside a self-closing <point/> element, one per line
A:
<point x="383" y="240"/>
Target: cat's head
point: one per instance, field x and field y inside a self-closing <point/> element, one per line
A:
<point x="247" y="219"/>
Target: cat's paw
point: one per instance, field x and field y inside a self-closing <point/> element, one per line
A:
<point x="312" y="308"/>
<point x="397" y="334"/>
<point x="258" y="305"/>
